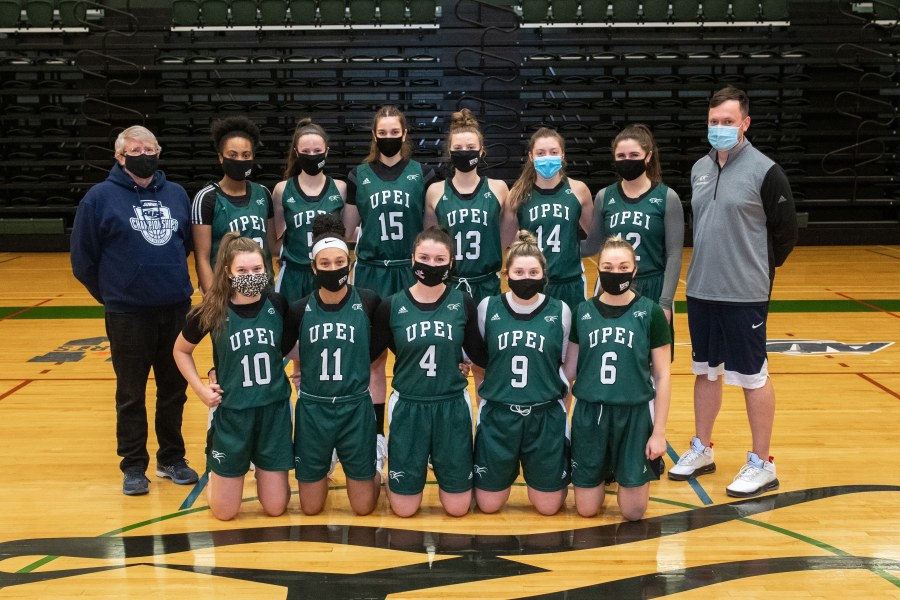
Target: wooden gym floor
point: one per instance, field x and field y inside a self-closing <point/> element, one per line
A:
<point x="831" y="531"/>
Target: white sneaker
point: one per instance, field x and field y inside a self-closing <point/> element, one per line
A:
<point x="381" y="454"/>
<point x="698" y="460"/>
<point x="334" y="462"/>
<point x="754" y="478"/>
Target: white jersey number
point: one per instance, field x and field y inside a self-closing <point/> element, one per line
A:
<point x="262" y="372"/>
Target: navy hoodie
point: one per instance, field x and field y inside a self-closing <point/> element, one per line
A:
<point x="130" y="244"/>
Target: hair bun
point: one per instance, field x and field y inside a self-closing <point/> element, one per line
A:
<point x="328" y="224"/>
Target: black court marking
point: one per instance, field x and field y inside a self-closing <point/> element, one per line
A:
<point x="477" y="557"/>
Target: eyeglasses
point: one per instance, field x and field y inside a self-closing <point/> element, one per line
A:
<point x="144" y="151"/>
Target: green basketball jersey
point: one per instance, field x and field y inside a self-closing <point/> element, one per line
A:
<point x="474" y="223"/>
<point x="613" y="354"/>
<point x="249" y="221"/>
<point x="524" y="353"/>
<point x="334" y="348"/>
<point x="299" y="213"/>
<point x="390" y="213"/>
<point x="428" y="346"/>
<point x="248" y="360"/>
<point x="641" y="222"/>
<point x="552" y="216"/>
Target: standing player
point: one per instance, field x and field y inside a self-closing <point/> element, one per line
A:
<point x="552" y="206"/>
<point x="234" y="203"/>
<point x="250" y="335"/>
<point x="620" y="347"/>
<point x="305" y="193"/>
<point x="334" y="409"/>
<point x="522" y="417"/>
<point x="428" y="326"/>
<point x="641" y="209"/>
<point x="386" y="198"/>
<point x="473" y="209"/>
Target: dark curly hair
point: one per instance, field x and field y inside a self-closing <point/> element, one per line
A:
<point x="223" y="130"/>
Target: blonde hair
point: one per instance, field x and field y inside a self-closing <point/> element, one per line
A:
<point x="214" y="307"/>
<point x="521" y="191"/>
<point x="305" y="126"/>
<point x="615" y="242"/>
<point x="463" y="121"/>
<point x="640" y="133"/>
<point x="136" y="132"/>
<point x="389" y="110"/>
<point x="523" y="246"/>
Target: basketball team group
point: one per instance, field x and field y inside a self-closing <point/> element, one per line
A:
<point x="573" y="385"/>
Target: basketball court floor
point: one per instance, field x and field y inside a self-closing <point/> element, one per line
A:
<point x="831" y="531"/>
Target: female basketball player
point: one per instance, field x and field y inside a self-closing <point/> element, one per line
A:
<point x="334" y="410"/>
<point x="644" y="211"/>
<point x="473" y="209"/>
<point x="521" y="415"/>
<point x="553" y="206"/>
<point x="250" y="335"/>
<point x="619" y="357"/>
<point x="428" y="326"/>
<point x="234" y="203"/>
<point x="306" y="192"/>
<point x="386" y="198"/>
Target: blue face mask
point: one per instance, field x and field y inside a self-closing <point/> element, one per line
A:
<point x="547" y="166"/>
<point x="722" y="137"/>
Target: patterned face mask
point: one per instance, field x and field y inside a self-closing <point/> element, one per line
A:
<point x="250" y="285"/>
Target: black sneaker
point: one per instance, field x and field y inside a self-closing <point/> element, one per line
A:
<point x="135" y="482"/>
<point x="179" y="472"/>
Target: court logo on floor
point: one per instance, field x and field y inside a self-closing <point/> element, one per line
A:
<point x="813" y="347"/>
<point x="75" y="350"/>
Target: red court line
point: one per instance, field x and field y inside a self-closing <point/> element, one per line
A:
<point x="864" y="303"/>
<point x="24" y="310"/>
<point x="880" y="386"/>
<point x="15" y="389"/>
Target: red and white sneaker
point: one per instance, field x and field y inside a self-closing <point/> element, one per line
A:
<point x="754" y="478"/>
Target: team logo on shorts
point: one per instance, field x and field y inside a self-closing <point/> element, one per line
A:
<point x="218" y="456"/>
<point x="479" y="470"/>
<point x="154" y="221"/>
<point x="454" y="306"/>
<point x="550" y="318"/>
<point x="396" y="475"/>
<point x="566" y="473"/>
<point x="574" y="465"/>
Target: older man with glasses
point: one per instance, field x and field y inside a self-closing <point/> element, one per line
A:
<point x="130" y="241"/>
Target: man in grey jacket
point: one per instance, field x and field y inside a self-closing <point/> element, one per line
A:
<point x="745" y="225"/>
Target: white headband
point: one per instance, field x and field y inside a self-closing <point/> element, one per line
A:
<point x="329" y="242"/>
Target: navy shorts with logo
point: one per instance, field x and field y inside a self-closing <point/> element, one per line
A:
<point x="729" y="339"/>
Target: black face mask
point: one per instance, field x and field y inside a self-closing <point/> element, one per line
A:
<point x="389" y="146"/>
<point x="526" y="289"/>
<point x="616" y="283"/>
<point x="465" y="160"/>
<point x="431" y="275"/>
<point x="239" y="170"/>
<point x="142" y="166"/>
<point x="630" y="169"/>
<point x="311" y="164"/>
<point x="334" y="280"/>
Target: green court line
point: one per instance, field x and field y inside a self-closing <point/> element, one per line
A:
<point x="775" y="306"/>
